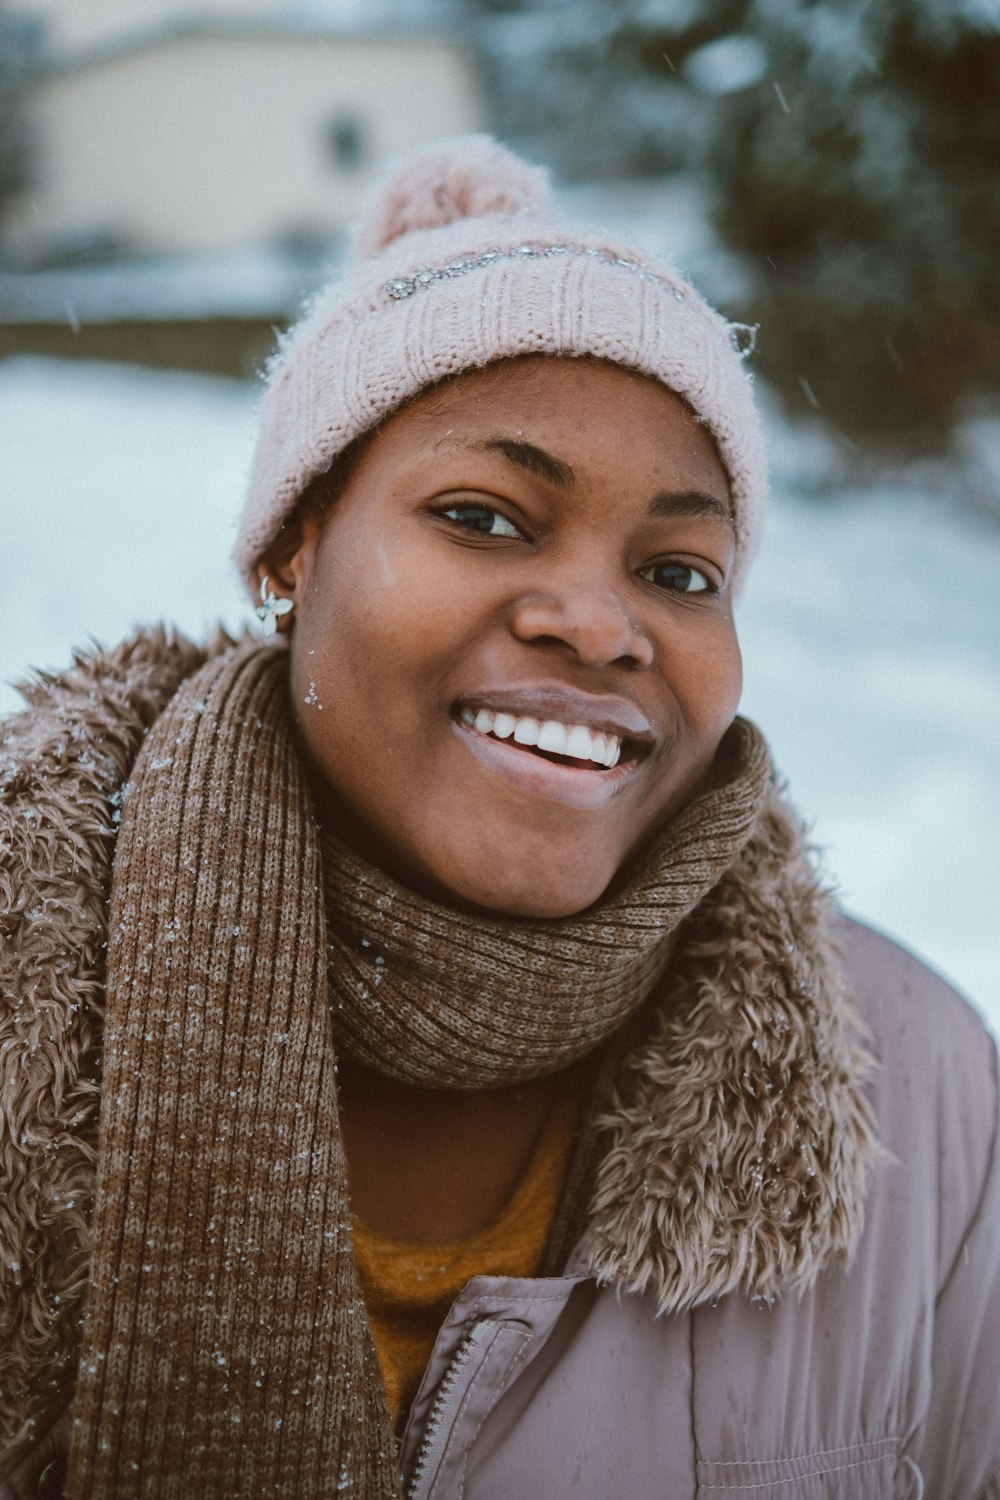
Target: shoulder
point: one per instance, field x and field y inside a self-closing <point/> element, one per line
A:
<point x="74" y="743"/>
<point x="99" y="694"/>
<point x="917" y="1018"/>
<point x="936" y="1091"/>
<point x="63" y="761"/>
<point x="897" y="986"/>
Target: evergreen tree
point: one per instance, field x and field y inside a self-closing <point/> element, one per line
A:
<point x="860" y="178"/>
<point x="854" y="149"/>
<point x="597" y="88"/>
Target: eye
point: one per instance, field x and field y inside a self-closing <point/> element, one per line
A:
<point x="678" y="578"/>
<point x="481" y="520"/>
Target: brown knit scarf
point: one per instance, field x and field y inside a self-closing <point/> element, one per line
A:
<point x="430" y="996"/>
<point x="226" y="1351"/>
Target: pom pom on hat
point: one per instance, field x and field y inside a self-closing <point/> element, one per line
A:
<point x="471" y="177"/>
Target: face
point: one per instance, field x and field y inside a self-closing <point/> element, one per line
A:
<point x="512" y="650"/>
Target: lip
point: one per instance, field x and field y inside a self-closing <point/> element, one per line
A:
<point x="555" y="700"/>
<point x="573" y="786"/>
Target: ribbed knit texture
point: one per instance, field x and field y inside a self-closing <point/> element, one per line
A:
<point x="226" y="1352"/>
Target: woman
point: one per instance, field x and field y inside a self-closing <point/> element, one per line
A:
<point x="431" y="1064"/>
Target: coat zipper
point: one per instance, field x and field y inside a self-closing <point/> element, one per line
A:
<point x="454" y="1384"/>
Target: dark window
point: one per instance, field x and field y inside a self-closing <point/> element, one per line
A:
<point x="345" y="140"/>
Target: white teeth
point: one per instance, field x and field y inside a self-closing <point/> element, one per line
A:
<point x="579" y="743"/>
<point x="552" y="737"/>
<point x="574" y="740"/>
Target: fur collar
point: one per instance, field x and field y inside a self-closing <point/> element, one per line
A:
<point x="734" y="1152"/>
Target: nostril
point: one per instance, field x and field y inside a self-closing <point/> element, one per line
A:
<point x="597" y="636"/>
<point x="635" y="662"/>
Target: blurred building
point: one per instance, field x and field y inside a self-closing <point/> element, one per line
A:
<point x="192" y="172"/>
<point x="158" y="132"/>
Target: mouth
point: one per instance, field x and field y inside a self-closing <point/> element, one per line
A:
<point x="558" y="758"/>
<point x="559" y="742"/>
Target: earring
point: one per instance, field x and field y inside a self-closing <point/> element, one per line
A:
<point x="271" y="607"/>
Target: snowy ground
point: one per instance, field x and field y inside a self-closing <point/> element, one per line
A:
<point x="869" y="628"/>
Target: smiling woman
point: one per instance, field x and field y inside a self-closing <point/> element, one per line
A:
<point x="473" y="555"/>
<point x="432" y="1065"/>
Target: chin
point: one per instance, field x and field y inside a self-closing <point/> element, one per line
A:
<point x="546" y="894"/>
<point x="548" y="908"/>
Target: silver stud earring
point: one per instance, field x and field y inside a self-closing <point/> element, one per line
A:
<point x="271" y="607"/>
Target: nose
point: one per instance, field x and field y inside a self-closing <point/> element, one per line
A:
<point x="589" y="618"/>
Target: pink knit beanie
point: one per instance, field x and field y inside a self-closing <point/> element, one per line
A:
<point x="461" y="261"/>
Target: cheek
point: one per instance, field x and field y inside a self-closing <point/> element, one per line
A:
<point x="369" y="589"/>
<point x="708" y="678"/>
<point x="352" y="619"/>
<point x="705" y="682"/>
<point x="730" y="677"/>
<point x="368" y="650"/>
<point x="326" y="676"/>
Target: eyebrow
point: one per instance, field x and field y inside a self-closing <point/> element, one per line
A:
<point x="535" y="460"/>
<point x="691" y="503"/>
<point x="666" y="504"/>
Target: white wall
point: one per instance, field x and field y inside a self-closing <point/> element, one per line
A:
<point x="201" y="143"/>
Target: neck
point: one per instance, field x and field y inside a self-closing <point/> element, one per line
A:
<point x="429" y="1165"/>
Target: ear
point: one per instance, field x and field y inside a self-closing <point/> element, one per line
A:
<point x="288" y="563"/>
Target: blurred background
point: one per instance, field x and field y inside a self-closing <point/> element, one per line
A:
<point x="176" y="176"/>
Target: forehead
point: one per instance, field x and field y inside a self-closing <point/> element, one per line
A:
<point x="590" y="414"/>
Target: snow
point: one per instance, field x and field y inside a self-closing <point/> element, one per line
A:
<point x="726" y="65"/>
<point x="873" y="663"/>
<point x="257" y="281"/>
<point x="121" y="488"/>
<point x="869" y="625"/>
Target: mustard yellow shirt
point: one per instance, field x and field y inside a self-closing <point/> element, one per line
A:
<point x="409" y="1288"/>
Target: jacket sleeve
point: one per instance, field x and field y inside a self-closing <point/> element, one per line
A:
<point x="960" y="1452"/>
